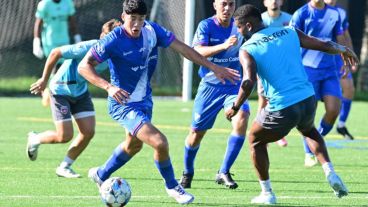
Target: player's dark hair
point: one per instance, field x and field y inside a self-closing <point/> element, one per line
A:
<point x="109" y="26"/>
<point x="135" y="7"/>
<point x="247" y="11"/>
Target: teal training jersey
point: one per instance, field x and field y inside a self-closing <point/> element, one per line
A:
<point x="280" y="21"/>
<point x="276" y="50"/>
<point x="55" y="31"/>
<point x="67" y="81"/>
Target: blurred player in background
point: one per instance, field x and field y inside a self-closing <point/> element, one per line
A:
<point x="69" y="97"/>
<point x="128" y="49"/>
<point x="347" y="84"/>
<point x="217" y="39"/>
<point x="323" y="21"/>
<point x="273" y="17"/>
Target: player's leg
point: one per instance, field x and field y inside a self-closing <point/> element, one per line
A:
<point x="348" y="89"/>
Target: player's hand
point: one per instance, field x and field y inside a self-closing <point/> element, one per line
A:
<point x="349" y="57"/>
<point x="38" y="87"/>
<point x="230" y="113"/>
<point x="37" y="48"/>
<point x="231" y="41"/>
<point x="120" y="95"/>
<point x="354" y="68"/>
<point x="224" y="74"/>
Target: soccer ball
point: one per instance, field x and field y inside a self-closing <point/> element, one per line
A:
<point x="115" y="192"/>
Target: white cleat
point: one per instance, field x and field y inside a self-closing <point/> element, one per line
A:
<point x="337" y="185"/>
<point x="92" y="174"/>
<point x="66" y="172"/>
<point x="267" y="198"/>
<point x="180" y="195"/>
<point x="32" y="149"/>
<point x="310" y="160"/>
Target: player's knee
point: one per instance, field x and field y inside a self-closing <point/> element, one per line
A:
<point x="134" y="148"/>
<point x="64" y="137"/>
<point x="161" y="144"/>
<point x="89" y="134"/>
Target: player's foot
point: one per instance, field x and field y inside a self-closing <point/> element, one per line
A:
<point x="226" y="179"/>
<point x="344" y="132"/>
<point x="264" y="198"/>
<point x="310" y="160"/>
<point x="32" y="149"/>
<point x="180" y="195"/>
<point x="66" y="172"/>
<point x="186" y="180"/>
<point x="92" y="174"/>
<point x="282" y="142"/>
<point x="46" y="97"/>
<point x="337" y="185"/>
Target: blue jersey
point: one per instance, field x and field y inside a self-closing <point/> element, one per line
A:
<point x="128" y="57"/>
<point x="324" y="24"/>
<point x="345" y="27"/>
<point x="276" y="51"/>
<point x="280" y="21"/>
<point x="67" y="81"/>
<point x="210" y="33"/>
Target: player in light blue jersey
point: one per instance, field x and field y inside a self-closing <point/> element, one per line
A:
<point x="217" y="39"/>
<point x="272" y="54"/>
<point x="69" y="97"/>
<point x="347" y="84"/>
<point x="321" y="20"/>
<point x="273" y="17"/>
<point x="127" y="49"/>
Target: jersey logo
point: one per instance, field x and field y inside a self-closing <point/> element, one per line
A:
<point x="64" y="109"/>
<point x="127" y="53"/>
<point x="197" y="116"/>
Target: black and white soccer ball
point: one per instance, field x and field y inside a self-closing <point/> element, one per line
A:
<point x="115" y="192"/>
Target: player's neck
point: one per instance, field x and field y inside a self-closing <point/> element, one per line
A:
<point x="320" y="5"/>
<point x="274" y="14"/>
<point x="222" y="22"/>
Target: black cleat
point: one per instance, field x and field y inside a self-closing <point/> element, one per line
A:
<point x="344" y="132"/>
<point x="226" y="179"/>
<point x="186" y="180"/>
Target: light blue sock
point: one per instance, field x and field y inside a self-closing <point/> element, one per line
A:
<point x="234" y="145"/>
<point x="190" y="154"/>
<point x="115" y="161"/>
<point x="345" y="109"/>
<point x="306" y="148"/>
<point x="167" y="172"/>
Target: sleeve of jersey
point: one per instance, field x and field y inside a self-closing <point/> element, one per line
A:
<point x="75" y="51"/>
<point x="71" y="8"/>
<point x="100" y="51"/>
<point x="201" y="36"/>
<point x="164" y="36"/>
<point x="338" y="29"/>
<point x="296" y="21"/>
<point x="40" y="12"/>
<point x="345" y="21"/>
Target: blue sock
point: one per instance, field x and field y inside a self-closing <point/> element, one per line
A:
<point x="324" y="128"/>
<point x="234" y="145"/>
<point x="306" y="148"/>
<point x="189" y="157"/>
<point x="115" y="161"/>
<point x="167" y="172"/>
<point x="345" y="109"/>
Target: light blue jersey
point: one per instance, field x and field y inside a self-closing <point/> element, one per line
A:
<point x="283" y="77"/>
<point x="324" y="24"/>
<point x="280" y="21"/>
<point x="67" y="81"/>
<point x="210" y="33"/>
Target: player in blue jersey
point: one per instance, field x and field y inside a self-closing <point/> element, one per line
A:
<point x="272" y="54"/>
<point x="321" y="20"/>
<point x="127" y="49"/>
<point x="217" y="39"/>
<point x="69" y="97"/>
<point x="347" y="84"/>
<point x="273" y="17"/>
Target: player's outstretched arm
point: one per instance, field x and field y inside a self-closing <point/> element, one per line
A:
<point x="209" y="51"/>
<point x="87" y="69"/>
<point x="220" y="72"/>
<point x="249" y="80"/>
<point x="39" y="86"/>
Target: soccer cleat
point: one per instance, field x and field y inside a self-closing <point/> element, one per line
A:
<point x="310" y="160"/>
<point x="66" y="172"/>
<point x="344" y="132"/>
<point x="282" y="142"/>
<point x="180" y="195"/>
<point x="32" y="149"/>
<point x="92" y="174"/>
<point x="267" y="198"/>
<point x="337" y="185"/>
<point x="186" y="180"/>
<point x="226" y="179"/>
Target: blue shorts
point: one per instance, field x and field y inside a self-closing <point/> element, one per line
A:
<point x="131" y="116"/>
<point x="325" y="82"/>
<point x="210" y="99"/>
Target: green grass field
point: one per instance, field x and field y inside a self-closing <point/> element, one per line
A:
<point x="34" y="184"/>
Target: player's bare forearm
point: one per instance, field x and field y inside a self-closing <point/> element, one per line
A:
<point x="51" y="62"/>
<point x="37" y="28"/>
<point x="209" y="51"/>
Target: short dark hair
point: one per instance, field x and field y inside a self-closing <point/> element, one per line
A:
<point x="135" y="7"/>
<point x="247" y="11"/>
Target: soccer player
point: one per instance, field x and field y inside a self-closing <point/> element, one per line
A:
<point x="291" y="96"/>
<point x="127" y="50"/>
<point x="273" y="17"/>
<point x="217" y="39"/>
<point x="69" y="97"/>
<point x="321" y="20"/>
<point x="347" y="84"/>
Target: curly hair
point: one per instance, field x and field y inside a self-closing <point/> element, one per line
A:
<point x="247" y="11"/>
<point x="135" y="7"/>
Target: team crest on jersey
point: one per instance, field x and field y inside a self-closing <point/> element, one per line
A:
<point x="197" y="116"/>
<point x="100" y="49"/>
<point x="64" y="109"/>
